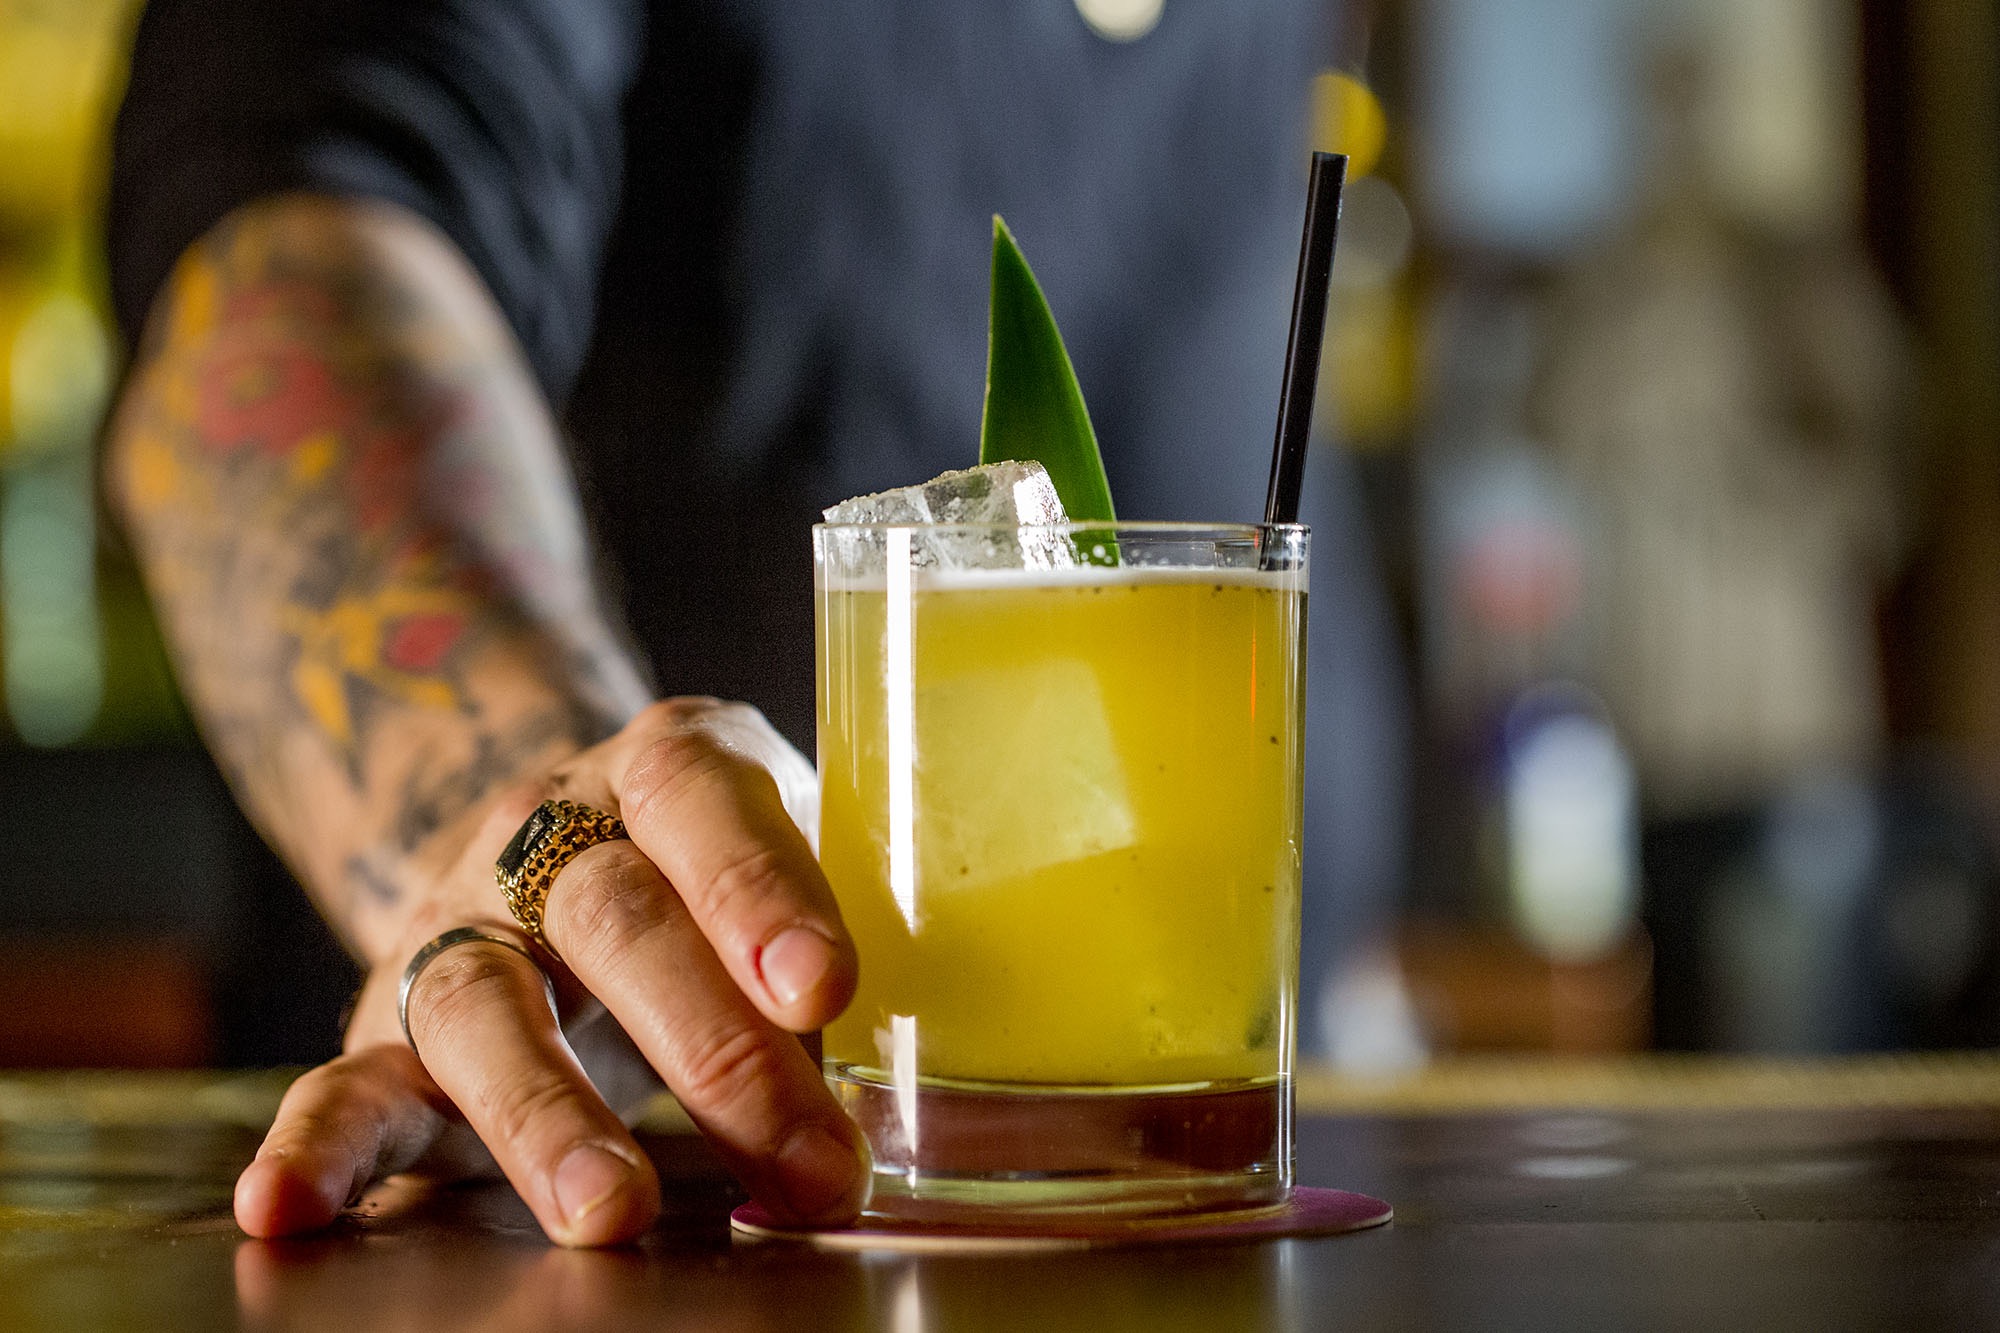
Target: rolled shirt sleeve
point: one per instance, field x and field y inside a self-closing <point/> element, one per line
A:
<point x="498" y="122"/>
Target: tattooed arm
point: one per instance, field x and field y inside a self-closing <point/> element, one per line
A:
<point x="362" y="540"/>
<point x="352" y="510"/>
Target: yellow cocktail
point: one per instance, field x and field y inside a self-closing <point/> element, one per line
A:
<point x="1060" y="810"/>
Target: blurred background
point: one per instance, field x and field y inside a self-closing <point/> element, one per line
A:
<point x="1667" y="346"/>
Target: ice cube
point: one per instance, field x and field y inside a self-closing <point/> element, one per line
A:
<point x="1014" y="493"/>
<point x="1011" y="495"/>
<point x="1020" y="772"/>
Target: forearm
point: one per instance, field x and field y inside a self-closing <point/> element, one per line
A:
<point x="363" y="543"/>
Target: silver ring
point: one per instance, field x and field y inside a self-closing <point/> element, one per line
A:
<point x="451" y="939"/>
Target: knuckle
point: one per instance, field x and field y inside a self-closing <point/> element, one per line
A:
<point x="344" y="1078"/>
<point x="669" y="765"/>
<point x="330" y="1104"/>
<point x="430" y="918"/>
<point x="568" y="781"/>
<point x="515" y="1112"/>
<point x="740" y="1066"/>
<point x="510" y="807"/>
<point x="748" y="879"/>
<point x="463" y="983"/>
<point x="323" y="1082"/>
<point x="679" y="713"/>
<point x="350" y="1130"/>
<point x="738" y="730"/>
<point x="617" y="897"/>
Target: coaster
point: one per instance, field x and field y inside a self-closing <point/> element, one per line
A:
<point x="1309" y="1212"/>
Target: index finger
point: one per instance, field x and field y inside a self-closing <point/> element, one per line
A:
<point x="359" y="1117"/>
<point x="711" y="818"/>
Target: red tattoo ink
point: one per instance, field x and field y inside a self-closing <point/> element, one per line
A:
<point x="255" y="395"/>
<point x="383" y="480"/>
<point x="420" y="643"/>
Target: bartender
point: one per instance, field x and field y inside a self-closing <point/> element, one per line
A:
<point x="490" y="363"/>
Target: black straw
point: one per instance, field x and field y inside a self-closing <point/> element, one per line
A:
<point x="1295" y="405"/>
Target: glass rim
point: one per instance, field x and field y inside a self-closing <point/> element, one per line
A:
<point x="1073" y="527"/>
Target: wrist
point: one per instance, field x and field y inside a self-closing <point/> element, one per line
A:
<point x="402" y="893"/>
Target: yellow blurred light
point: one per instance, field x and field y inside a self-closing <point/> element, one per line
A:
<point x="60" y="67"/>
<point x="1368" y="380"/>
<point x="61" y="372"/>
<point x="1347" y="118"/>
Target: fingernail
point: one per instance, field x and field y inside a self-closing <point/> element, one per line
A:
<point x="587" y="1178"/>
<point x="793" y="963"/>
<point x="821" y="1175"/>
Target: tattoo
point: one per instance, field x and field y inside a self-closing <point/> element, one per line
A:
<point x="378" y="885"/>
<point x="431" y="801"/>
<point x="360" y="535"/>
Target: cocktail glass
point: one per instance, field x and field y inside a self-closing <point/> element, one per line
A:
<point x="1060" y="804"/>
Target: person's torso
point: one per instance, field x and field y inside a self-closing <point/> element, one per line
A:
<point x="793" y="307"/>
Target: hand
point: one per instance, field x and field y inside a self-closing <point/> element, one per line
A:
<point x="710" y="937"/>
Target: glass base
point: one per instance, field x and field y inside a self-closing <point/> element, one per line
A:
<point x="952" y="1153"/>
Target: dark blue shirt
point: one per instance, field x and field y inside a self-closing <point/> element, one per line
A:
<point x="744" y="244"/>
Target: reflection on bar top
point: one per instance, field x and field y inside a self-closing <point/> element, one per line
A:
<point x="1461" y="1085"/>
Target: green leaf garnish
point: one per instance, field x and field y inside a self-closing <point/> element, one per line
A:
<point x="1034" y="408"/>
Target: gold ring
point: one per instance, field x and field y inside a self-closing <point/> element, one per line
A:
<point x="549" y="840"/>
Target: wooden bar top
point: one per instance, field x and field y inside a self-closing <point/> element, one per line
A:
<point x="1658" y="1192"/>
